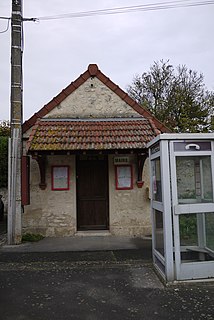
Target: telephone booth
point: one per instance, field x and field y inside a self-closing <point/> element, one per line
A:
<point x="182" y="205"/>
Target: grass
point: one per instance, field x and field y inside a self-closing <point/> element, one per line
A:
<point x="30" y="237"/>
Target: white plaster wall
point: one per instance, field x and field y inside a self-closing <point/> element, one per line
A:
<point x="129" y="209"/>
<point x="92" y="100"/>
<point x="51" y="213"/>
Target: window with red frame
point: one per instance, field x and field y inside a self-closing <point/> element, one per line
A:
<point x="124" y="177"/>
<point x="60" y="178"/>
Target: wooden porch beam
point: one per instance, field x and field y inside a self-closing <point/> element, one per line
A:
<point x="141" y="158"/>
<point x="41" y="160"/>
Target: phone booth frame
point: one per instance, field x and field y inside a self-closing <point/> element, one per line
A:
<point x="182" y="205"/>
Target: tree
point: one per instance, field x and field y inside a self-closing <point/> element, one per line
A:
<point x="4" y="128"/>
<point x="177" y="97"/>
<point x="4" y="134"/>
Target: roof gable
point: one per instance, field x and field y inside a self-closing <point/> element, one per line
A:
<point x="92" y="71"/>
<point x="92" y="100"/>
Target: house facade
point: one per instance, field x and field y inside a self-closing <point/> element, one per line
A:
<point x="85" y="164"/>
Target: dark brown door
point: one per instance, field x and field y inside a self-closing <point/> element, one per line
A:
<point x="92" y="193"/>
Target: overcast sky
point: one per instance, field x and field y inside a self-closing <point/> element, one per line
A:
<point x="56" y="52"/>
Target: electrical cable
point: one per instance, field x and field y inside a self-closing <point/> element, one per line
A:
<point x="119" y="10"/>
<point x="176" y="4"/>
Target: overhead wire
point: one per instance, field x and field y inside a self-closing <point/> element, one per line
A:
<point x="176" y="4"/>
<point x="129" y="9"/>
<point x="4" y="18"/>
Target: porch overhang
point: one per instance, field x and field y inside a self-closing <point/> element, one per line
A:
<point x="90" y="136"/>
<point x="60" y="136"/>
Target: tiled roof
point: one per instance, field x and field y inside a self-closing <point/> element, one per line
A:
<point x="53" y="135"/>
<point x="92" y="71"/>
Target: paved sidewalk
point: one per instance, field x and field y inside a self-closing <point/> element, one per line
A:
<point x="109" y="249"/>
<point x="93" y="278"/>
<point x="62" y="290"/>
<point x="81" y="243"/>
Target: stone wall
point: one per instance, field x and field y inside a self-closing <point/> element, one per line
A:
<point x="92" y="100"/>
<point x="129" y="209"/>
<point x="53" y="213"/>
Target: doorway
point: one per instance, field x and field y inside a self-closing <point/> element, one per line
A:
<point x="92" y="193"/>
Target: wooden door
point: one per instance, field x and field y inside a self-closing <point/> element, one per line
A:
<point x="92" y="193"/>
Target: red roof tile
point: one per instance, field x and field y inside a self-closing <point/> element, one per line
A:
<point x="52" y="135"/>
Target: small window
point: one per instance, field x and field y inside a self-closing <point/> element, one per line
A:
<point x="60" y="178"/>
<point x="194" y="179"/>
<point x="124" y="180"/>
<point x="156" y="180"/>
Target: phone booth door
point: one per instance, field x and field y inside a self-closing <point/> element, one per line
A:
<point x="192" y="177"/>
<point x="162" y="240"/>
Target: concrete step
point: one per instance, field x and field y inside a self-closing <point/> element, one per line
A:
<point x="97" y="233"/>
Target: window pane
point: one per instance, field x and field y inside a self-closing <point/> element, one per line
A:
<point x="156" y="180"/>
<point x="196" y="237"/>
<point x="207" y="191"/>
<point x="159" y="237"/>
<point x="209" y="219"/>
<point x="194" y="179"/>
<point x="188" y="230"/>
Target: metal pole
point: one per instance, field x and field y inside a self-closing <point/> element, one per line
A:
<point x="14" y="183"/>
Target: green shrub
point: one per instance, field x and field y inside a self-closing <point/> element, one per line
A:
<point x="4" y="128"/>
<point x="188" y="229"/>
<point x="30" y="237"/>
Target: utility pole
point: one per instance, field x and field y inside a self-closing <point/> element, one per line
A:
<point x="15" y="143"/>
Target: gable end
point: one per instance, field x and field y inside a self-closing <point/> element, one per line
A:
<point x="92" y="71"/>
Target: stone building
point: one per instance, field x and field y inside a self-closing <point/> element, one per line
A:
<point x="84" y="161"/>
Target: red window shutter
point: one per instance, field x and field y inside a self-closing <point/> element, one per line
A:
<point x="25" y="180"/>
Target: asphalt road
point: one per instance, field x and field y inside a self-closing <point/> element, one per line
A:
<point x="94" y="286"/>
